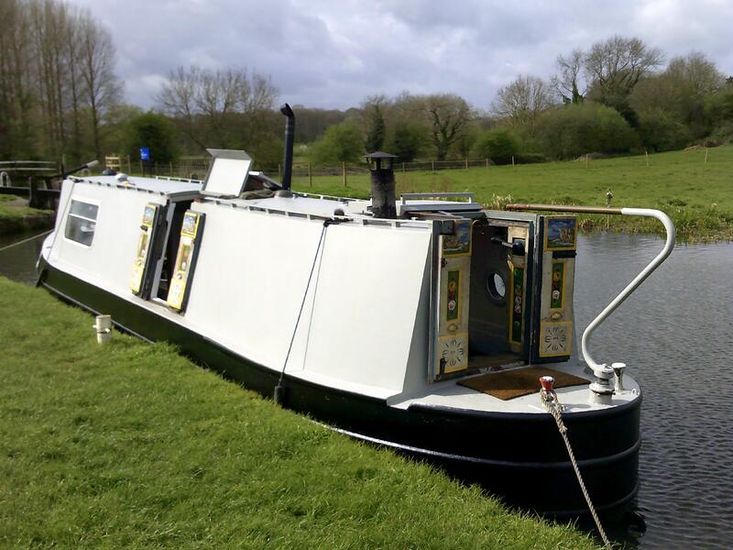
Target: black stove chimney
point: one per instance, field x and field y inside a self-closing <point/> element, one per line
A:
<point x="383" y="184"/>
<point x="289" y="139"/>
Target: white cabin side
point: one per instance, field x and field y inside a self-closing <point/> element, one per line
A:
<point x="251" y="274"/>
<point x="107" y="260"/>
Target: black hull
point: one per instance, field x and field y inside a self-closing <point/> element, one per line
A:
<point x="520" y="457"/>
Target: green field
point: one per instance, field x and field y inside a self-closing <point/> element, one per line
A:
<point x="696" y="193"/>
<point x="130" y="445"/>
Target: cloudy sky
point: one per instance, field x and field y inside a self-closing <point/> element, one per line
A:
<point x="335" y="53"/>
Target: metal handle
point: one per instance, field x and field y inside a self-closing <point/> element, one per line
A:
<point x="603" y="370"/>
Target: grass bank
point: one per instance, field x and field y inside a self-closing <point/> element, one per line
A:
<point x="695" y="188"/>
<point x="16" y="216"/>
<point x="131" y="445"/>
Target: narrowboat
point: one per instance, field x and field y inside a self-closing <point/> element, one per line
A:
<point x="422" y="323"/>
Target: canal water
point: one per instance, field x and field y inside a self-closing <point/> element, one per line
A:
<point x="676" y="336"/>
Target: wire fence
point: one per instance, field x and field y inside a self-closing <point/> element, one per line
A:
<point x="198" y="167"/>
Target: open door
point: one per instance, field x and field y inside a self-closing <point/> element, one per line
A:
<point x="147" y="252"/>
<point x="556" y="329"/>
<point x="452" y="303"/>
<point x="188" y="251"/>
<point x="503" y="291"/>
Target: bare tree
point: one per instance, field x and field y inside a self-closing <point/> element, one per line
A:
<point x="568" y="81"/>
<point x="17" y="95"/>
<point x="522" y="101"/>
<point x="205" y="102"/>
<point x="56" y="69"/>
<point x="616" y="65"/>
<point x="52" y="25"/>
<point x="449" y="115"/>
<point x="697" y="73"/>
<point x="100" y="86"/>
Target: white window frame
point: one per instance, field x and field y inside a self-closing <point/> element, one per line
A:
<point x="87" y="219"/>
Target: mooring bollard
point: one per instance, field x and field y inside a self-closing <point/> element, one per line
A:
<point x="103" y="326"/>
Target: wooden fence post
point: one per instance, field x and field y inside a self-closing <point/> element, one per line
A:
<point x="129" y="165"/>
<point x="343" y="172"/>
<point x="310" y="175"/>
<point x="432" y="166"/>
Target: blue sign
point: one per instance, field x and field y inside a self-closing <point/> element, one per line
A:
<point x="144" y="153"/>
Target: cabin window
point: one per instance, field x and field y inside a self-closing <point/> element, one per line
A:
<point x="81" y="222"/>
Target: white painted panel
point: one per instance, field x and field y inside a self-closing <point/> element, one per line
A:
<point x="250" y="277"/>
<point x="366" y="304"/>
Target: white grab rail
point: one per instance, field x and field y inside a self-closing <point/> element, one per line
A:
<point x="602" y="370"/>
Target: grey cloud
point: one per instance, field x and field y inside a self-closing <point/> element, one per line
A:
<point x="331" y="53"/>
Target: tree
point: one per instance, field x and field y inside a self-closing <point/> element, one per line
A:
<point x="408" y="140"/>
<point x="614" y="67"/>
<point x="211" y="106"/>
<point x="100" y="86"/>
<point x="673" y="106"/>
<point x="341" y="143"/>
<point x="522" y="101"/>
<point x="499" y="145"/>
<point x="56" y="67"/>
<point x="567" y="82"/>
<point x="448" y="115"/>
<point x="573" y="130"/>
<point x="375" y="124"/>
<point x="154" y="131"/>
<point x="312" y="123"/>
<point x="17" y="96"/>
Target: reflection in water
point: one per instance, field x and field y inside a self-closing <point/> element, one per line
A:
<point x="676" y="335"/>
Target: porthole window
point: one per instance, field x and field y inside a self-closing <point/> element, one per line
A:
<point x="81" y="222"/>
<point x="496" y="287"/>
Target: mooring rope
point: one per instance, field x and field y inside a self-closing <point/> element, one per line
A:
<point x="278" y="395"/>
<point x="549" y="399"/>
<point x="26" y="240"/>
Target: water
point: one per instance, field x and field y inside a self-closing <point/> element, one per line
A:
<point x="676" y="335"/>
<point x="19" y="262"/>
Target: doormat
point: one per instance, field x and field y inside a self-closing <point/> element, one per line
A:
<point x="516" y="383"/>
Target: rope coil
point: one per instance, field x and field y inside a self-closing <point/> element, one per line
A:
<point x="554" y="407"/>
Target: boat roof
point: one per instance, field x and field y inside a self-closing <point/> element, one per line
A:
<point x="297" y="203"/>
<point x="176" y="188"/>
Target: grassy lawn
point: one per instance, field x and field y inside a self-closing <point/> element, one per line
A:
<point x="9" y="208"/>
<point x="130" y="444"/>
<point x="15" y="217"/>
<point x="698" y="195"/>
